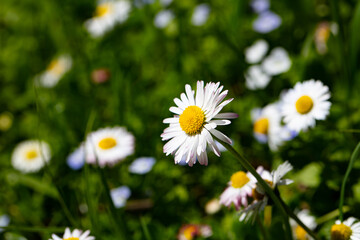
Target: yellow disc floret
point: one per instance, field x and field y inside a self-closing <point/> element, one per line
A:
<point x="192" y="120"/>
<point x="340" y="232"/>
<point x="30" y="155"/>
<point x="261" y="126"/>
<point x="107" y="143"/>
<point x="304" y="104"/>
<point x="56" y="67"/>
<point x="72" y="238"/>
<point x="239" y="179"/>
<point x="300" y="233"/>
<point x="103" y="9"/>
<point x="190" y="232"/>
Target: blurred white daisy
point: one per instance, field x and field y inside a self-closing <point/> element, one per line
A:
<point x="256" y="52"/>
<point x="298" y="232"/>
<point x="74" y="235"/>
<point x="256" y="78"/>
<point x="120" y="195"/>
<point x="200" y="15"/>
<point x="54" y="72"/>
<point x="240" y="187"/>
<point x="165" y="3"/>
<point x="196" y="118"/>
<point x="305" y="103"/>
<point x="260" y="6"/>
<point x="277" y="62"/>
<point x="142" y="165"/>
<point x="4" y="221"/>
<point x="76" y="159"/>
<point x="30" y="156"/>
<point x="109" y="146"/>
<point x="163" y="18"/>
<point x="267" y="126"/>
<point x="266" y="22"/>
<point x="108" y="13"/>
<point x="349" y="229"/>
<point x="273" y="179"/>
<point x="212" y="206"/>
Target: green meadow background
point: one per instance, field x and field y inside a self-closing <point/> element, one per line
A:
<point x="149" y="67"/>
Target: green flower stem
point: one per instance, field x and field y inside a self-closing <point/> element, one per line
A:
<point x="277" y="200"/>
<point x="354" y="156"/>
<point x="263" y="231"/>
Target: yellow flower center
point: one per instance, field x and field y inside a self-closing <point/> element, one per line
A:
<point x="304" y="104"/>
<point x="190" y="232"/>
<point x="340" y="232"/>
<point x="192" y="120"/>
<point x="30" y="155"/>
<point x="102" y="9"/>
<point x="261" y="126"/>
<point x="239" y="179"/>
<point x="72" y="238"/>
<point x="300" y="233"/>
<point x="56" y="67"/>
<point x="107" y="143"/>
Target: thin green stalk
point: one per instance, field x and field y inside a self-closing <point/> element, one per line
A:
<point x="354" y="156"/>
<point x="263" y="231"/>
<point x="47" y="169"/>
<point x="145" y="229"/>
<point x="285" y="210"/>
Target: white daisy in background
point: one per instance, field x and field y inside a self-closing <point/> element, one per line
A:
<point x="54" y="71"/>
<point x="256" y="52"/>
<point x="109" y="146"/>
<point x="240" y="188"/>
<point x="74" y="235"/>
<point x="120" y="195"/>
<point x="200" y="15"/>
<point x="196" y="118"/>
<point x="267" y="126"/>
<point x="165" y="3"/>
<point x="298" y="232"/>
<point x="76" y="159"/>
<point x="30" y="156"/>
<point x="260" y="6"/>
<point x="142" y="165"/>
<point x="163" y="18"/>
<point x="4" y="221"/>
<point x="193" y="231"/>
<point x="305" y="103"/>
<point x="266" y="22"/>
<point x="108" y="13"/>
<point x="256" y="78"/>
<point x="212" y="206"/>
<point x="273" y="179"/>
<point x="277" y="62"/>
<point x="349" y="229"/>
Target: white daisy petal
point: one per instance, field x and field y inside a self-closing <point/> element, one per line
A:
<point x="75" y="234"/>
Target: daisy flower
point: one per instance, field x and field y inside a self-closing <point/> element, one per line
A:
<point x="4" y="221"/>
<point x="196" y="118"/>
<point x="163" y="18"/>
<point x="298" y="232"/>
<point x="260" y="6"/>
<point x="192" y="231"/>
<point x="304" y="104"/>
<point x="107" y="14"/>
<point x="109" y="145"/>
<point x="349" y="229"/>
<point x="267" y="126"/>
<point x="240" y="187"/>
<point x="55" y="71"/>
<point x="273" y="179"/>
<point x="277" y="62"/>
<point x="256" y="52"/>
<point x="30" y="156"/>
<point x="212" y="206"/>
<point x="256" y="78"/>
<point x="75" y="235"/>
<point x="200" y="15"/>
<point x="120" y="195"/>
<point x="76" y="159"/>
<point x="266" y="22"/>
<point x="142" y="165"/>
